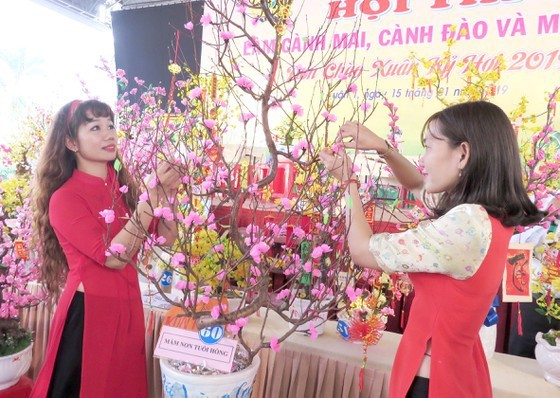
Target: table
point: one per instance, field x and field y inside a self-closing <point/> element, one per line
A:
<point x="325" y="367"/>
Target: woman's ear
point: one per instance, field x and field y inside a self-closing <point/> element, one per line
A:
<point x="465" y="153"/>
<point x="71" y="144"/>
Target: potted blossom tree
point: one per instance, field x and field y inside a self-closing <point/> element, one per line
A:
<point x="274" y="218"/>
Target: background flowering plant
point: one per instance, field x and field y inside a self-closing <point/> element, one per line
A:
<point x="18" y="265"/>
<point x="548" y="281"/>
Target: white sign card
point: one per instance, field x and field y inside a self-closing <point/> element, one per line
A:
<point x="186" y="345"/>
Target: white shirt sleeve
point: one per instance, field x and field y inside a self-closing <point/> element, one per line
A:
<point x="454" y="244"/>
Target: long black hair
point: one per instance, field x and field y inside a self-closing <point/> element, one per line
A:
<point x="492" y="176"/>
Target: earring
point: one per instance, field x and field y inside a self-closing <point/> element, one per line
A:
<point x="460" y="172"/>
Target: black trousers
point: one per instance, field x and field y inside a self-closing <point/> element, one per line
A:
<point x="419" y="388"/>
<point x="67" y="372"/>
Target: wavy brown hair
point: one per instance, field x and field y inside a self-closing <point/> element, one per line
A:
<point x="493" y="176"/>
<point x="55" y="167"/>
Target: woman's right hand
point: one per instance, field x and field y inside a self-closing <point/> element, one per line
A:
<point x="362" y="138"/>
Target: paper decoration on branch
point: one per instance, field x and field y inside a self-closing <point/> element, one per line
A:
<point x="21" y="251"/>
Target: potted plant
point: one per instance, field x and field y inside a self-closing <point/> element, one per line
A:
<point x="271" y="221"/>
<point x="547" y="351"/>
<point x="18" y="265"/>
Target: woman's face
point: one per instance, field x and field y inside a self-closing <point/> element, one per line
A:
<point x="96" y="141"/>
<point x="441" y="162"/>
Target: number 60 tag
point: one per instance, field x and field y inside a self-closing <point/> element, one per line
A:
<point x="211" y="334"/>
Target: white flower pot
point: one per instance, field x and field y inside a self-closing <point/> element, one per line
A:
<point x="301" y="306"/>
<point x="488" y="339"/>
<point x="548" y="358"/>
<point x="12" y="367"/>
<point x="177" y="384"/>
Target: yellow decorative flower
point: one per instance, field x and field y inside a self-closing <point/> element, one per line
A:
<point x="174" y="69"/>
<point x="281" y="29"/>
<point x="284" y="12"/>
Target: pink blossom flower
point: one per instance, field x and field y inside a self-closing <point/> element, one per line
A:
<point x="241" y="7"/>
<point x="210" y="123"/>
<point x="115" y="248"/>
<point x="218" y="248"/>
<point x="299" y="232"/>
<point x="108" y="215"/>
<point x="244" y="82"/>
<point x="387" y="311"/>
<point x="281" y="295"/>
<point x="352" y="293"/>
<point x="215" y="313"/>
<point x="163" y="212"/>
<point x="286" y="203"/>
<point x="233" y="329"/>
<point x="307" y="267"/>
<point x="246" y="116"/>
<point x="177" y="260"/>
<point x="180" y="285"/>
<point x="195" y="93"/>
<point x="206" y="20"/>
<point x="297" y="109"/>
<point x="257" y="250"/>
<point x="220" y="275"/>
<point x="337" y="147"/>
<point x="123" y="189"/>
<point x="189" y="25"/>
<point x="254" y="188"/>
<point x="331" y="117"/>
<point x="153" y="182"/>
<point x="227" y="35"/>
<point x="193" y="218"/>
<point x="320" y="250"/>
<point x="312" y="332"/>
<point x="241" y="322"/>
<point x="352" y="88"/>
<point x="274" y="346"/>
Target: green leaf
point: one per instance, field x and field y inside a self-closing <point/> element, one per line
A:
<point x="349" y="202"/>
<point x="117" y="165"/>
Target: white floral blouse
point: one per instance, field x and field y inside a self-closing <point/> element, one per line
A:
<point x="454" y="244"/>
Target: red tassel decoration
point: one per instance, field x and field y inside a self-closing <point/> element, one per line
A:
<point x="151" y="322"/>
<point x="363" y="369"/>
<point x="519" y="320"/>
<point x="401" y="320"/>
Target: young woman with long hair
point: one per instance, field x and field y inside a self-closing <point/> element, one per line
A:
<point x="89" y="226"/>
<point x="472" y="181"/>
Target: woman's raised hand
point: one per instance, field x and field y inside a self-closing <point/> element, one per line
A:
<point x="361" y="138"/>
<point x="338" y="164"/>
<point x="169" y="176"/>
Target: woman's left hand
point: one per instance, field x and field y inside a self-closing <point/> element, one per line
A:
<point x="338" y="164"/>
<point x="169" y="176"/>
